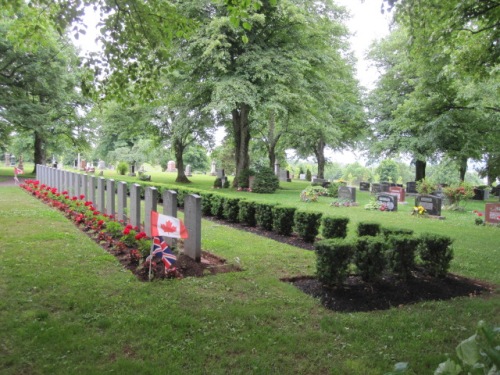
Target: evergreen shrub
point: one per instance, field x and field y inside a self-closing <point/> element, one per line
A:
<point x="264" y="215"/>
<point x="395" y="231"/>
<point x="369" y="257"/>
<point x="333" y="257"/>
<point x="265" y="181"/>
<point x="334" y="227"/>
<point x="230" y="209"/>
<point x="206" y="204"/>
<point x="307" y="224"/>
<point x="368" y="229"/>
<point x="283" y="219"/>
<point x="217" y="206"/>
<point x="122" y="168"/>
<point x="246" y="213"/>
<point x="436" y="253"/>
<point x="401" y="254"/>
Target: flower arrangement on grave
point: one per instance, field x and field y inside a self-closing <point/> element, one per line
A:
<point x="458" y="195"/>
<point x="373" y="205"/>
<point x="419" y="211"/>
<point x="344" y="203"/>
<point x="425" y="187"/>
<point x="383" y="207"/>
<point x="312" y="193"/>
<point x="479" y="217"/>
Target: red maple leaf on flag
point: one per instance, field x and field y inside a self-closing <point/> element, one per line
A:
<point x="168" y="227"/>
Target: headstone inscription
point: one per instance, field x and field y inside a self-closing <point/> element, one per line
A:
<point x="364" y="186"/>
<point x="347" y="193"/>
<point x="388" y="201"/>
<point x="399" y="192"/>
<point x="431" y="203"/>
<point x="492" y="213"/>
<point x="411" y="187"/>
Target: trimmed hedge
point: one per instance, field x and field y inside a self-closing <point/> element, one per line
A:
<point x="401" y="254"/>
<point x="230" y="209"/>
<point x="246" y="213"/>
<point x="334" y="227"/>
<point x="395" y="231"/>
<point x="217" y="206"/>
<point x="369" y="257"/>
<point x="206" y="204"/>
<point x="283" y="219"/>
<point x="368" y="229"/>
<point x="333" y="257"/>
<point x="307" y="224"/>
<point x="436" y="253"/>
<point x="264" y="215"/>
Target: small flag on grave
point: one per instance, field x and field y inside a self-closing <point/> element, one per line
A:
<point x="167" y="226"/>
<point x="161" y="249"/>
<point x="18" y="171"/>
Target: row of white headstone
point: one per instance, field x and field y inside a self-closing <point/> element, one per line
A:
<point x="110" y="197"/>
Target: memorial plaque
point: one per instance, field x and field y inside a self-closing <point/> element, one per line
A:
<point x="431" y="203"/>
<point x="347" y="193"/>
<point x="389" y="201"/>
<point x="399" y="192"/>
<point x="492" y="213"/>
<point x="364" y="186"/>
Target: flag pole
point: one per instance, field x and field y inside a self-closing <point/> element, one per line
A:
<point x="151" y="259"/>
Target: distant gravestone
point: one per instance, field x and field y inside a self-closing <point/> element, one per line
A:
<point x="389" y="201"/>
<point x="131" y="169"/>
<point x="399" y="192"/>
<point x="251" y="180"/>
<point x="284" y="175"/>
<point x="302" y="176"/>
<point x="187" y="172"/>
<point x="384" y="187"/>
<point x="431" y="203"/>
<point x="481" y="194"/>
<point x="411" y="187"/>
<point x="319" y="181"/>
<point x="7" y="159"/>
<point x="376" y="189"/>
<point x="492" y="213"/>
<point x="364" y="186"/>
<point x="347" y="193"/>
<point x="213" y="172"/>
<point x="101" y="165"/>
<point x="220" y="173"/>
<point x="171" y="166"/>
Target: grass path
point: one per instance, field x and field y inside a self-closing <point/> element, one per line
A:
<point x="66" y="306"/>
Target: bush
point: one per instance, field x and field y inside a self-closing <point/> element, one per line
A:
<point x="401" y="254"/>
<point x="114" y="229"/>
<point x="332" y="261"/>
<point x="243" y="178"/>
<point x="436" y="253"/>
<point x="265" y="181"/>
<point x="218" y="183"/>
<point x="226" y="183"/>
<point x="230" y="209"/>
<point x="217" y="206"/>
<point x="312" y="193"/>
<point x="425" y="187"/>
<point x="369" y="257"/>
<point x="395" y="231"/>
<point x="368" y="229"/>
<point x="206" y="204"/>
<point x="122" y="168"/>
<point x="264" y="215"/>
<point x="307" y="224"/>
<point x="246" y="213"/>
<point x="283" y="220"/>
<point x="458" y="194"/>
<point x="333" y="189"/>
<point x="334" y="227"/>
<point x="308" y="175"/>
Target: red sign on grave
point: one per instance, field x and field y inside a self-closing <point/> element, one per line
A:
<point x="399" y="192"/>
<point x="492" y="213"/>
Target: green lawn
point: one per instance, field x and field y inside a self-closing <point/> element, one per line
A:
<point x="67" y="306"/>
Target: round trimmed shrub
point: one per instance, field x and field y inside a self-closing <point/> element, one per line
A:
<point x="122" y="168"/>
<point x="265" y="181"/>
<point x="368" y="229"/>
<point x="436" y="253"/>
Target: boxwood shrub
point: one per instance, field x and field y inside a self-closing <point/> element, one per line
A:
<point x="264" y="215"/>
<point x="368" y="229"/>
<point x="206" y="204"/>
<point x="401" y="254"/>
<point x="265" y="181"/>
<point x="369" y="257"/>
<point x="230" y="209"/>
<point x="334" y="227"/>
<point x="307" y="224"/>
<point x="217" y="206"/>
<point x="395" y="231"/>
<point x="283" y="219"/>
<point x="436" y="253"/>
<point x="246" y="213"/>
<point x="333" y="257"/>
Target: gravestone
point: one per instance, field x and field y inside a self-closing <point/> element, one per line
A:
<point x="364" y="186"/>
<point x="302" y="176"/>
<point x="431" y="203"/>
<point x="150" y="204"/>
<point x="347" y="193"/>
<point x="390" y="201"/>
<point x="187" y="172"/>
<point x="319" y="181"/>
<point x="110" y="197"/>
<point x="399" y="192"/>
<point x="220" y="173"/>
<point x="376" y="188"/>
<point x="131" y="169"/>
<point x="411" y="187"/>
<point x="121" y="201"/>
<point x="135" y="205"/>
<point x="276" y="169"/>
<point x="481" y="194"/>
<point x="101" y="165"/>
<point x="100" y="200"/>
<point x="192" y="217"/>
<point x="7" y="159"/>
<point x="284" y="175"/>
<point x="213" y="171"/>
<point x="251" y="180"/>
<point x="170" y="209"/>
<point x="492" y="213"/>
<point x="384" y="187"/>
<point x="171" y="166"/>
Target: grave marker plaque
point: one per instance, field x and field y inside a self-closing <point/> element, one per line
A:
<point x="390" y="201"/>
<point x="431" y="203"/>
<point x="347" y="193"/>
<point x="364" y="186"/>
<point x="492" y="213"/>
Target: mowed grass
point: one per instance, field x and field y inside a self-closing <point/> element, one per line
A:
<point x="66" y="306"/>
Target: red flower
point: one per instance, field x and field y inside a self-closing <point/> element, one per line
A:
<point x="140" y="235"/>
<point x="96" y="212"/>
<point x="82" y="196"/>
<point x="65" y="192"/>
<point x="74" y="198"/>
<point x="126" y="230"/>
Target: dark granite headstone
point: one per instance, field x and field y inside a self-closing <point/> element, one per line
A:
<point x="376" y="188"/>
<point x="347" y="193"/>
<point x="411" y="187"/>
<point x="480" y="194"/>
<point x="389" y="201"/>
<point x="431" y="203"/>
<point x="384" y="187"/>
<point x="364" y="186"/>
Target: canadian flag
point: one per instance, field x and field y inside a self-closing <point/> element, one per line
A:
<point x="167" y="226"/>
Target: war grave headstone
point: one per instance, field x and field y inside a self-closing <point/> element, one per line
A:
<point x="399" y="192"/>
<point x="389" y="201"/>
<point x="347" y="193"/>
<point x="364" y="186"/>
<point x="492" y="213"/>
<point x="431" y="203"/>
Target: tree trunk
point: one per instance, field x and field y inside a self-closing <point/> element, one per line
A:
<point x="320" y="157"/>
<point x="463" y="168"/>
<point x="40" y="157"/>
<point x="420" y="169"/>
<point x="179" y="161"/>
<point x="241" y="133"/>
